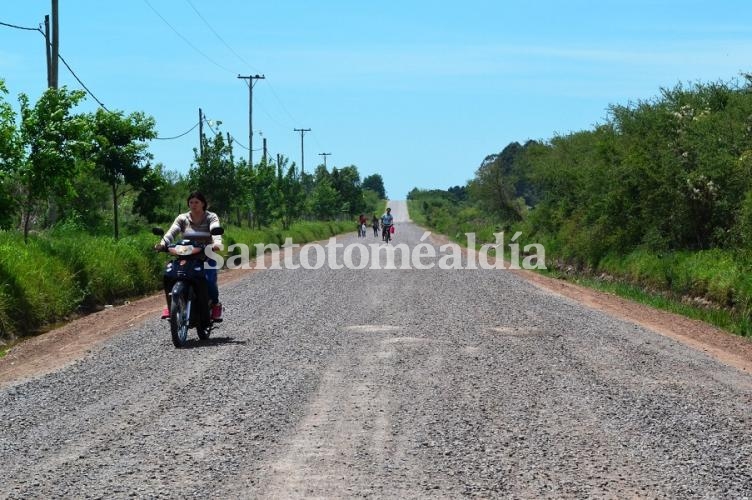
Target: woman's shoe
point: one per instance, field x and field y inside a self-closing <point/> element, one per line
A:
<point x="216" y="312"/>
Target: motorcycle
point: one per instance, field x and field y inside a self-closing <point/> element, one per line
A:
<point x="185" y="287"/>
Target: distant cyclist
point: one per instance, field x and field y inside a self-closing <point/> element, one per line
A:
<point x="387" y="221"/>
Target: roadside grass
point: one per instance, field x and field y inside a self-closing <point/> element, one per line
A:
<point x="714" y="286"/>
<point x="63" y="273"/>
<point x="712" y="314"/>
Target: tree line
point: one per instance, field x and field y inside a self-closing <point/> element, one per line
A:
<point x="668" y="174"/>
<point x="658" y="198"/>
<point x="94" y="172"/>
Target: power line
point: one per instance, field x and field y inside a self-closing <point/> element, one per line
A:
<point x="20" y="27"/>
<point x="60" y="56"/>
<point x="101" y="104"/>
<point x="274" y="93"/>
<point x="232" y="138"/>
<point x="178" y="136"/>
<point x="186" y="40"/>
<point x="82" y="83"/>
<point x="215" y="33"/>
<point x="91" y="93"/>
<point x="239" y="143"/>
<point x="219" y="37"/>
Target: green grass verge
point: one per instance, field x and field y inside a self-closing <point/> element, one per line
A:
<point x="722" y="318"/>
<point x="61" y="273"/>
<point x="722" y="279"/>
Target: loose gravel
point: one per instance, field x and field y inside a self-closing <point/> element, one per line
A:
<point x="384" y="383"/>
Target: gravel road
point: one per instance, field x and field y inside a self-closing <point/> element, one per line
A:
<point x="384" y="383"/>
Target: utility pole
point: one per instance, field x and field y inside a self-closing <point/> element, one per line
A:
<point x="302" y="157"/>
<point x="251" y="83"/>
<point x="324" y="155"/>
<point x="264" y="150"/>
<point x="48" y="49"/>
<point x="200" y="133"/>
<point x="55" y="48"/>
<point x="52" y="46"/>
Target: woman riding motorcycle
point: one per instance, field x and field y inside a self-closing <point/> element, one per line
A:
<point x="198" y="220"/>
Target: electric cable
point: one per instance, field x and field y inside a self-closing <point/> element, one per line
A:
<point x="65" y="63"/>
<point x="188" y="41"/>
<point x="20" y="27"/>
<point x="178" y="136"/>
<point x="82" y="84"/>
<point x="216" y="34"/>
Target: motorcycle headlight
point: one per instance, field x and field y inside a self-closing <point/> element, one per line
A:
<point x="183" y="249"/>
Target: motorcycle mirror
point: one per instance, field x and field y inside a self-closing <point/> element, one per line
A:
<point x="158" y="231"/>
<point x="217" y="231"/>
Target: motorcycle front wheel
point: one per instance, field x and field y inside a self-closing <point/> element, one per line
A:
<point x="179" y="315"/>
<point x="203" y="331"/>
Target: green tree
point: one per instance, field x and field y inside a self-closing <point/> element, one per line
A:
<point x="52" y="139"/>
<point x="265" y="192"/>
<point x="325" y="201"/>
<point x="216" y="175"/>
<point x="347" y="183"/>
<point x="120" y="156"/>
<point x="10" y="157"/>
<point x="494" y="184"/>
<point x="291" y="195"/>
<point x="375" y="183"/>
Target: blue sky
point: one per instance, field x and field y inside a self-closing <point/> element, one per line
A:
<point x="418" y="91"/>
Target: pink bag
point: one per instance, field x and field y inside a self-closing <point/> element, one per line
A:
<point x="391" y="229"/>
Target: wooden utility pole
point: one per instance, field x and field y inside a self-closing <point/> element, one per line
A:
<point x="251" y="83"/>
<point x="48" y="49"/>
<point x="55" y="46"/>
<point x="200" y="134"/>
<point x="302" y="157"/>
<point x="324" y="155"/>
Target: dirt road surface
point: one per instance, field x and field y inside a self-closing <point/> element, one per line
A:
<point x="343" y="383"/>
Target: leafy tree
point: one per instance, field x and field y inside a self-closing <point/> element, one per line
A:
<point x="347" y="183"/>
<point x="121" y="159"/>
<point x="459" y="192"/>
<point x="10" y="156"/>
<point x="291" y="196"/>
<point x="265" y="192"/>
<point x="87" y="210"/>
<point x="494" y="183"/>
<point x="375" y="183"/>
<point x="371" y="202"/>
<point x="325" y="201"/>
<point x="171" y="195"/>
<point x="154" y="185"/>
<point x="217" y="176"/>
<point x="52" y="139"/>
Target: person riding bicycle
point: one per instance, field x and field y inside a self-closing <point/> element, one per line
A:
<point x="199" y="220"/>
<point x="387" y="220"/>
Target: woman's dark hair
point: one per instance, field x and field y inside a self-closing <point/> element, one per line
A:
<point x="200" y="197"/>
